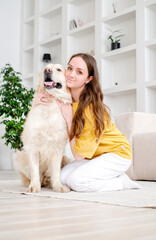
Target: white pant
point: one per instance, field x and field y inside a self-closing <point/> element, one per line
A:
<point x="104" y="173"/>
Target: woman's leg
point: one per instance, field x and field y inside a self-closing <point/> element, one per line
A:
<point x="68" y="169"/>
<point x="99" y="174"/>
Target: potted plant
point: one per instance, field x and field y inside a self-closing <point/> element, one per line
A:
<point x="15" y="102"/>
<point x="115" y="38"/>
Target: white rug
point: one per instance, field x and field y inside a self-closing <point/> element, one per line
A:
<point x="144" y="197"/>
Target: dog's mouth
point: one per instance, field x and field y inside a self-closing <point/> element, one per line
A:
<point x="49" y="84"/>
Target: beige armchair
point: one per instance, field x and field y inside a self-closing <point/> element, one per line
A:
<point x="140" y="129"/>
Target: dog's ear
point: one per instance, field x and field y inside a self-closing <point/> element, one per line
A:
<point x="40" y="86"/>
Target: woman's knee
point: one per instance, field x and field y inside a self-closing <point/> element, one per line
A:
<point x="75" y="181"/>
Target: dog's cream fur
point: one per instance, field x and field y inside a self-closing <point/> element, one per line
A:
<point x="44" y="138"/>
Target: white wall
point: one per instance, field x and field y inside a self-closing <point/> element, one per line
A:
<point x="9" y="53"/>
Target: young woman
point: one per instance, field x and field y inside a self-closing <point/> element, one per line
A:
<point x="102" y="153"/>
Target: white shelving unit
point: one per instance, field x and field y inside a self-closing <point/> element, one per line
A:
<point x="128" y="74"/>
<point x="28" y="41"/>
<point x="150" y="55"/>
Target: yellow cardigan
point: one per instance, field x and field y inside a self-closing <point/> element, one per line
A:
<point x="111" y="140"/>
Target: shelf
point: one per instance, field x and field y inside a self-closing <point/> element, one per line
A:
<point x="30" y="21"/>
<point x="85" y="28"/>
<point x="29" y="49"/>
<point x="119" y="6"/>
<point x="28" y="80"/>
<point x="28" y="77"/>
<point x="46" y="6"/>
<point x="28" y="62"/>
<point x="76" y="2"/>
<point x="53" y="10"/>
<point x="119" y="71"/>
<point x="121" y="52"/>
<point x="150" y="3"/>
<point x="127" y="28"/>
<point x="151" y="43"/>
<point x="50" y="23"/>
<point x="151" y="84"/>
<point x="150" y="18"/>
<point x="71" y="1"/>
<point x="54" y="48"/>
<point x="51" y="40"/>
<point x="121" y="103"/>
<point x="121" y="16"/>
<point x="28" y="33"/>
<point x="118" y="90"/>
<point x="81" y="41"/>
<point x="29" y="9"/>
<point x="83" y="10"/>
<point x="150" y="94"/>
<point x="80" y="3"/>
<point x="150" y="60"/>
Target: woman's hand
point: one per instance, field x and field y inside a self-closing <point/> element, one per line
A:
<point x="67" y="112"/>
<point x="41" y="98"/>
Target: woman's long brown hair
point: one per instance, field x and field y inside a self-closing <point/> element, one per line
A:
<point x="91" y="96"/>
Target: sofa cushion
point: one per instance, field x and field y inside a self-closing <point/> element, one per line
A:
<point x="135" y="122"/>
<point x="136" y="126"/>
<point x="145" y="156"/>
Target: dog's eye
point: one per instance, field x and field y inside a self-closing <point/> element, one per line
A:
<point x="58" y="69"/>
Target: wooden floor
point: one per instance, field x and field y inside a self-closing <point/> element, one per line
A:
<point x="23" y="217"/>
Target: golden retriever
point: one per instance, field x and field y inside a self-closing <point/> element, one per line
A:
<point x="45" y="135"/>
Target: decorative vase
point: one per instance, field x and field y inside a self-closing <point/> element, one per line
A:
<point x="115" y="45"/>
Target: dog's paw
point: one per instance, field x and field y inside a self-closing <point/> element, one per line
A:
<point x="62" y="188"/>
<point x="34" y="188"/>
<point x="26" y="184"/>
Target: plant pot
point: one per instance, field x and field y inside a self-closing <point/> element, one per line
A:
<point x="115" y="45"/>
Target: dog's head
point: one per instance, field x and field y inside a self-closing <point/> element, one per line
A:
<point x="54" y="77"/>
<point x="52" y="80"/>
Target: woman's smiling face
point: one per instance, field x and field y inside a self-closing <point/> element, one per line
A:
<point x="77" y="74"/>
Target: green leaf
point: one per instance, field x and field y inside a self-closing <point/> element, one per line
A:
<point x="15" y="102"/>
